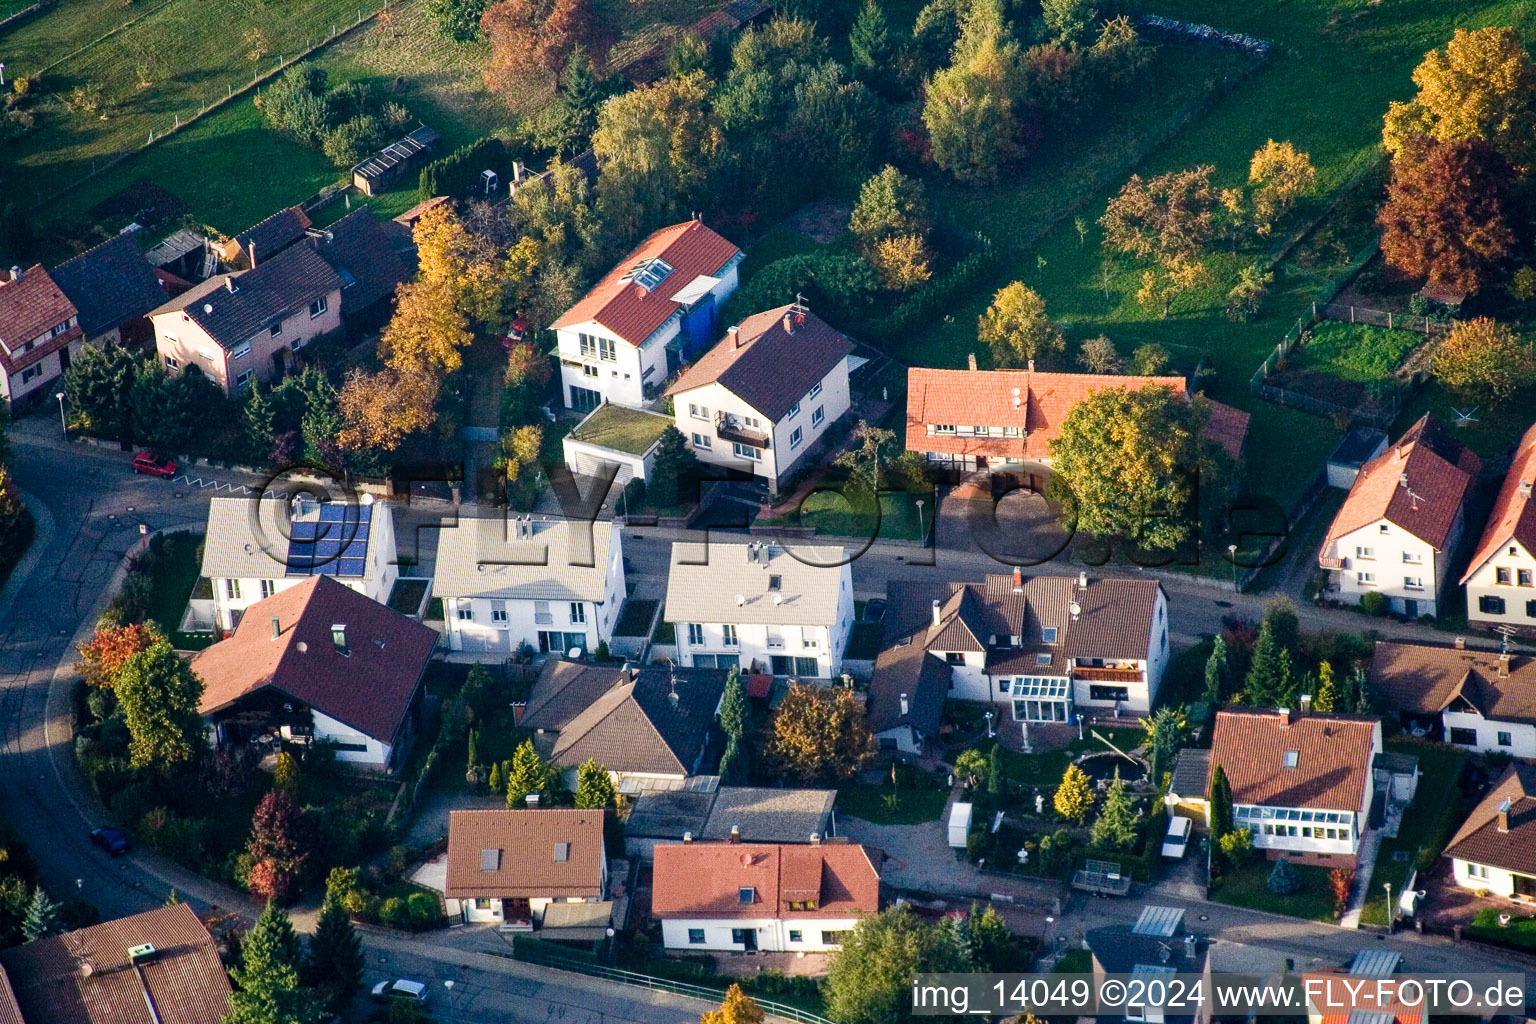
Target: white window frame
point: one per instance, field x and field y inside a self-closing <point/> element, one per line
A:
<point x="578" y="613"/>
<point x="795" y="437"/>
<point x="319" y="307"/>
<point x="815" y="390"/>
<point x="702" y="441"/>
<point x="698" y="412"/>
<point x="746" y="451"/>
<point x="695" y="634"/>
<point x="817" y="415"/>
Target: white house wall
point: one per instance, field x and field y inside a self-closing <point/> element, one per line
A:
<point x="830" y="640"/>
<point x="587" y="459"/>
<point x="1518" y="600"/>
<point x="1389" y="546"/>
<point x="622" y="379"/>
<point x="374" y="753"/>
<point x="1497" y="881"/>
<point x="1522" y="737"/>
<point x="773" y="935"/>
<point x="14" y="388"/>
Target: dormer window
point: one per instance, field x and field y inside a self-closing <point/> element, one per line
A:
<point x="1048" y="634"/>
<point x="1292" y="757"/>
<point x="746" y="895"/>
<point x="562" y="852"/>
<point x="1042" y="659"/>
<point x="942" y="428"/>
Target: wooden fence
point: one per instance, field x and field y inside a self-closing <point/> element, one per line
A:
<point x="1347" y="313"/>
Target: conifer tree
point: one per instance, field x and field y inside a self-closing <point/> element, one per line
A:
<point x="1115" y="828"/>
<point x="1074" y="797"/>
<point x="42" y="918"/>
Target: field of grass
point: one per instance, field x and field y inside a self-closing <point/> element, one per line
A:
<point x="833" y="516"/>
<point x="1245" y="887"/>
<point x="1356" y="352"/>
<point x="874" y="804"/>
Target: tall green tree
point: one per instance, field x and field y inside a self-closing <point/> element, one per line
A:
<point x="1066" y="22"/>
<point x="997" y="776"/>
<point x="528" y="774"/>
<point x="870" y="41"/>
<point x="594" y="786"/>
<point x="158" y="694"/>
<point x="334" y="967"/>
<point x="98" y="384"/>
<point x="268" y="987"/>
<point x="734" y="721"/>
<point x="1326" y="697"/>
<point x="42" y="918"/>
<point x="1115" y="827"/>
<point x="870" y="979"/>
<point x="1221" y="804"/>
<point x="1266" y="680"/>
<point x="1216" y="671"/>
<point x="1167" y="731"/>
<point x="675" y="477"/>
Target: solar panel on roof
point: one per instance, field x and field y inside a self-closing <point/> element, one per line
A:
<point x="334" y="544"/>
<point x="1162" y="922"/>
<point x="1375" y="963"/>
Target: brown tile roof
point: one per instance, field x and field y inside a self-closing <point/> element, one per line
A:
<point x="704" y="880"/>
<point x="1479" y="839"/>
<point x="627" y="309"/>
<point x="908" y="668"/>
<point x="1514" y="513"/>
<point x="370" y="688"/>
<point x="29" y="308"/>
<point x="766" y="366"/>
<point x="526" y="860"/>
<point x="987" y="398"/>
<point x="10" y="1009"/>
<point x="269" y="236"/>
<point x="110" y="284"/>
<point x="1439" y="470"/>
<point x="273" y="290"/>
<point x="637" y="727"/>
<point x="186" y="980"/>
<point x="565" y="689"/>
<point x="1333" y="764"/>
<point x="1423" y="679"/>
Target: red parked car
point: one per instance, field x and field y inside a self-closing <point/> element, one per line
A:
<point x="154" y="465"/>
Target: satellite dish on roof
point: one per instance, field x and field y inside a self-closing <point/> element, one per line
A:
<point x="740" y="600"/>
<point x="1075" y="608"/>
<point x="207" y="307"/>
<point x="302" y="646"/>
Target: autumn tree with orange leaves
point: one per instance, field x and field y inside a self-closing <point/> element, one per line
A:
<point x="537" y="37"/>
<point x="104" y="656"/>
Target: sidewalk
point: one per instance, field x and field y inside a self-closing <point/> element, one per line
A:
<point x="1366" y="861"/>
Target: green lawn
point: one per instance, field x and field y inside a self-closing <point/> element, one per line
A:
<point x="833" y="515"/>
<point x="1356" y="352"/>
<point x="1245" y="887"/>
<point x="872" y="803"/>
<point x="622" y="429"/>
<point x="1426" y="824"/>
<point x="1494" y="428"/>
<point x="1520" y="933"/>
<point x="176" y="568"/>
<point x="1046" y="769"/>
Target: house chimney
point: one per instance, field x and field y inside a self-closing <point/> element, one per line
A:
<point x="1503" y="664"/>
<point x="938" y="616"/>
<point x="1286" y="717"/>
<point x="789" y="324"/>
<point x="1082" y="581"/>
<point x="229" y="283"/>
<point x="1305" y="700"/>
<point x="1504" y="816"/>
<point x="905" y="707"/>
<point x="251" y="250"/>
<point x="687" y="837"/>
<point x="970" y="361"/>
<point x="1525" y="488"/>
<point x="277" y="628"/>
<point x="518" y="170"/>
<point x="1461" y="643"/>
<point x="1031" y="366"/>
<point x="15" y="273"/>
<point x="1018" y="576"/>
<point x="735" y="836"/>
<point x="735" y="333"/>
<point x="815" y="838"/>
<point x="531" y="800"/>
<point x="1402" y="479"/>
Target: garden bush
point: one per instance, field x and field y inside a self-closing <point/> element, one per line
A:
<point x="1373" y="602"/>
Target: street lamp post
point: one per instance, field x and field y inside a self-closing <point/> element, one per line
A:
<point x="60" y="396"/>
<point x="920" y="534"/>
<point x="1232" y="557"/>
<point x="1390" y="916"/>
<point x="989" y="725"/>
<point x="448" y="986"/>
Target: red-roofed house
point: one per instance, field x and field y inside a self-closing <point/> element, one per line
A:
<point x="1396" y="531"/>
<point x="1501" y="577"/>
<point x="655" y="309"/>
<point x="37" y="325"/>
<point x="1303" y="784"/>
<point x="319" y="661"/>
<point x="1005" y="420"/>
<point x="762" y="896"/>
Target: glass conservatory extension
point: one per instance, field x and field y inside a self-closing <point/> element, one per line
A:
<point x="1041" y="699"/>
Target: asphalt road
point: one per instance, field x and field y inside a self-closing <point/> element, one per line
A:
<point x="90" y="507"/>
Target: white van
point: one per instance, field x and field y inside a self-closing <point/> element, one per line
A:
<point x="1177" y="840"/>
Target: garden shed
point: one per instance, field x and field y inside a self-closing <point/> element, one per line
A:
<point x="381" y="170"/>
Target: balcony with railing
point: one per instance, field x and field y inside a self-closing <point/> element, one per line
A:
<point x="1329" y="558"/>
<point x="731" y="428"/>
<point x="1108" y="675"/>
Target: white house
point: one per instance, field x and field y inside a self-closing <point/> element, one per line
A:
<point x="39" y="326"/>
<point x="520" y="869"/>
<point x="761" y="606"/>
<point x="1495" y="848"/>
<point x="1398" y="528"/>
<point x="745" y="897"/>
<point x="1481" y="700"/>
<point x="256" y="548"/>
<point x="1501" y="576"/>
<point x="655" y="309"/>
<point x="1303" y="784"/>
<point x="1041" y="649"/>
<point x="319" y="662"/>
<point x="762" y="398"/>
<point x="506" y="582"/>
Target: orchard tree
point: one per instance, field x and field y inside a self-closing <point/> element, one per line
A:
<point x="534" y="38"/>
<point x="1125" y="465"/>
<point x="1074" y="795"/>
<point x="159" y="694"/>
<point x="1099" y="355"/>
<point x="594" y="786"/>
<point x="819" y="735"/>
<point x="1450" y="213"/>
<point x="1150" y="360"/>
<point x="1016" y="327"/>
<point x="1246" y="297"/>
<point x="458" y="20"/>
<point x="901" y="261"/>
<point x="1279" y="174"/>
<point x="890" y="204"/>
<point x="1163" y="283"/>
<point x="1163" y="219"/>
<point x="969" y="107"/>
<point x="1484" y="357"/>
<point x="1482" y="86"/>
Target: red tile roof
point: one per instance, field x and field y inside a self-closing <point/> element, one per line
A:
<point x="186" y="980"/>
<point x="627" y="309"/>
<point x="704" y="880"/>
<point x="1333" y="762"/>
<point x="1479" y="839"/>
<point x="1338" y="990"/>
<point x="1417" y="484"/>
<point x="526" y="858"/>
<point x="370" y="687"/>
<point x="1514" y="513"/>
<point x="1036" y="401"/>
<point x="31" y="307"/>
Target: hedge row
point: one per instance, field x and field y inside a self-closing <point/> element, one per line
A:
<point x="459" y="171"/>
<point x="934" y="297"/>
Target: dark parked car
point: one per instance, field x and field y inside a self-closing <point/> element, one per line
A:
<point x="111" y="840"/>
<point x="154" y="465"/>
